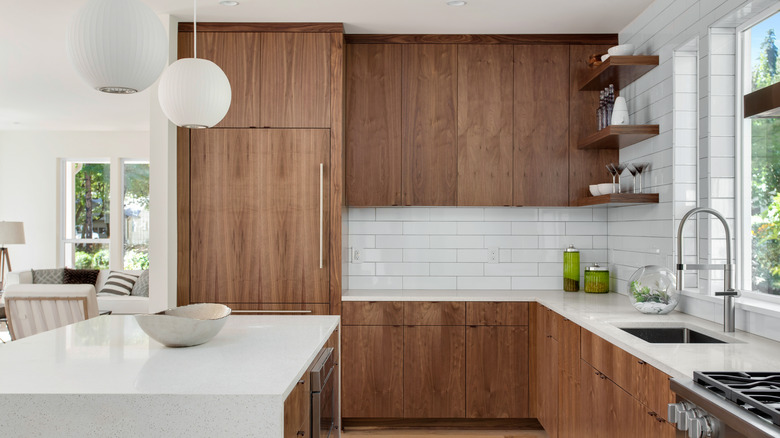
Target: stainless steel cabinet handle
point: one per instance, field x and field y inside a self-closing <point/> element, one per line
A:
<point x="322" y="170"/>
<point x="270" y="311"/>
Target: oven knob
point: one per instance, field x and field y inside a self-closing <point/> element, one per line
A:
<point x="675" y="412"/>
<point x="695" y="428"/>
<point x="683" y="412"/>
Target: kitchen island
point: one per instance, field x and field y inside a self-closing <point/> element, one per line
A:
<point x="106" y="377"/>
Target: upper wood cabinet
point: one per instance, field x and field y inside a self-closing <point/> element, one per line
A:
<point x="373" y="124"/>
<point x="255" y="216"/>
<point x="295" y="80"/>
<point x="541" y="125"/>
<point x="429" y="117"/>
<point x="277" y="79"/>
<point x="485" y="124"/>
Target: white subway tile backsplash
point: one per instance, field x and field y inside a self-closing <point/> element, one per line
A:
<point x="402" y="269"/>
<point x="485" y="228"/>
<point x="364" y="227"/>
<point x="430" y="283"/>
<point x="404" y="241"/>
<point x="471" y="255"/>
<point x="534" y="283"/>
<point x="402" y="214"/>
<point x="538" y="228"/>
<point x="512" y="269"/>
<point x="586" y="228"/>
<point x="362" y="214"/>
<point x="430" y="227"/>
<point x="430" y="255"/>
<point x="512" y="214"/>
<point x="362" y="241"/>
<point x="457" y="269"/>
<point x="484" y="283"/>
<point x="565" y="214"/>
<point x="457" y="214"/>
<point x="382" y="255"/>
<point x="457" y="242"/>
<point x="537" y="255"/>
<point x="562" y="242"/>
<point x="376" y="282"/>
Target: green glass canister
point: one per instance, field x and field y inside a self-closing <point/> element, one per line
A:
<point x="571" y="269"/>
<point x="596" y="279"/>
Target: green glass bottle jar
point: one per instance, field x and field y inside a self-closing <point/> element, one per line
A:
<point x="571" y="269"/>
<point x="596" y="279"/>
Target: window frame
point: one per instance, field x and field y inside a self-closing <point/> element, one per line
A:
<point x="122" y="163"/>
<point x="742" y="235"/>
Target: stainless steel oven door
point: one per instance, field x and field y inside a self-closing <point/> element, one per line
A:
<point x="323" y="393"/>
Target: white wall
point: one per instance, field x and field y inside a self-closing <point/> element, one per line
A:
<point x="29" y="182"/>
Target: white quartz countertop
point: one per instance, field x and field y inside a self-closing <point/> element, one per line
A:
<point x="257" y="355"/>
<point x="604" y="314"/>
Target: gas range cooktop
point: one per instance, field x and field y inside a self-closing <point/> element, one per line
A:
<point x="756" y="392"/>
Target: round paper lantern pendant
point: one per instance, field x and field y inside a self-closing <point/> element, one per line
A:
<point x="117" y="46"/>
<point x="194" y="93"/>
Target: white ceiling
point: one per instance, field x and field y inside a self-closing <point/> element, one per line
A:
<point x="40" y="91"/>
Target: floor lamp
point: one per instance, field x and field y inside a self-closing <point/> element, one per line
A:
<point x="11" y="233"/>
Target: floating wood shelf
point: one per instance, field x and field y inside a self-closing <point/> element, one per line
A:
<point x="617" y="70"/>
<point x="619" y="199"/>
<point x="618" y="137"/>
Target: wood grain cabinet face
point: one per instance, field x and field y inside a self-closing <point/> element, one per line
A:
<point x="297" y="408"/>
<point x="372" y="373"/>
<point x="373" y="124"/>
<point x="497" y="372"/>
<point x="434" y="313"/>
<point x="295" y="80"/>
<point x="569" y="379"/>
<point x="429" y="124"/>
<point x="541" y="125"/>
<point x="434" y="372"/>
<point x="254" y="216"/>
<point x="372" y="313"/>
<point x="496" y="313"/>
<point x="485" y="124"/>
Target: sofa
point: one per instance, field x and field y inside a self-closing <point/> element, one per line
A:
<point x="117" y="304"/>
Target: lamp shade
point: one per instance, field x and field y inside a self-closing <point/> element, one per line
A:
<point x="11" y="233"/>
<point x="117" y="46"/>
<point x="194" y="93"/>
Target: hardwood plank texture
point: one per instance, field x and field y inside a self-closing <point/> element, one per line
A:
<point x="619" y="198"/>
<point x="337" y="186"/>
<point x="373" y="125"/>
<point x="237" y="54"/>
<point x="182" y="216"/>
<point x="618" y="136"/>
<point x="434" y="372"/>
<point x="496" y="313"/>
<point x="569" y="380"/>
<point x="264" y="27"/>
<point x="547" y="385"/>
<point x="485" y="125"/>
<point x="295" y="80"/>
<point x="497" y="372"/>
<point x="255" y="235"/>
<point x="617" y="70"/>
<point x="614" y="362"/>
<point x="372" y="313"/>
<point x="652" y="388"/>
<point x="434" y="313"/>
<point x="585" y="166"/>
<point x="429" y="124"/>
<point x="588" y="38"/>
<point x="541" y="125"/>
<point x="372" y="371"/>
<point x="297" y="409"/>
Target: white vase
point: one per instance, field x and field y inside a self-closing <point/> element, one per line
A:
<point x="620" y="112"/>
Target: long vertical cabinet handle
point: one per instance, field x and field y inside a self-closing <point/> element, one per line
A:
<point x="322" y="169"/>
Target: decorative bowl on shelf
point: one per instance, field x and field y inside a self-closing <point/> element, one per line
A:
<point x="185" y="326"/>
<point x="608" y="188"/>
<point x="621" y="50"/>
<point x="652" y="289"/>
<point x="594" y="189"/>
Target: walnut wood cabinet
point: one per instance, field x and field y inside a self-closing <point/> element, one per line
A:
<point x="546" y="369"/>
<point x="297" y="410"/>
<point x="255" y="216"/>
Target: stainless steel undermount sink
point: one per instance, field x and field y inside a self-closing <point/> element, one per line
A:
<point x="671" y="335"/>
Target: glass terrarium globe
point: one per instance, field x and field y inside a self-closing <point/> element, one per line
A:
<point x="652" y="289"/>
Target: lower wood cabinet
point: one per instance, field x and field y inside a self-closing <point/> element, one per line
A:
<point x="434" y="372"/>
<point x="373" y="367"/>
<point x="497" y="372"/>
<point x="297" y="410"/>
<point x="547" y="373"/>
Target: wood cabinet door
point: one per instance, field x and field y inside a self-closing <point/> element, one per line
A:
<point x="238" y="55"/>
<point x="372" y="371"/>
<point x="547" y="385"/>
<point x="255" y="223"/>
<point x="587" y="166"/>
<point x="606" y="410"/>
<point x="429" y="129"/>
<point x="295" y="80"/>
<point x="373" y="125"/>
<point x="485" y="124"/>
<point x="434" y="372"/>
<point x="541" y="125"/>
<point x="569" y="383"/>
<point x="497" y="372"/>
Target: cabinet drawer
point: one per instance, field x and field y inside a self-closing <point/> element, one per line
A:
<point x="620" y="366"/>
<point x="496" y="313"/>
<point x="652" y="388"/>
<point x="434" y="313"/>
<point x="296" y="409"/>
<point x="548" y="321"/>
<point x="372" y="313"/>
<point x="279" y="309"/>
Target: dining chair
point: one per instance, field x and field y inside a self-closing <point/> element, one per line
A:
<point x="36" y="308"/>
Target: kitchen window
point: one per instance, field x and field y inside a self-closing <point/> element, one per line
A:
<point x="759" y="169"/>
<point x="96" y="234"/>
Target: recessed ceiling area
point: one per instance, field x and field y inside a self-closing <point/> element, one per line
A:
<point x="39" y="90"/>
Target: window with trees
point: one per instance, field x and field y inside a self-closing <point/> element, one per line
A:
<point x="761" y="162"/>
<point x="90" y="216"/>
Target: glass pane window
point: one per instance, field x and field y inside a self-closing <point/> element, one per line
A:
<point x="87" y="215"/>
<point x="136" y="215"/>
<point x="763" y="59"/>
<point x="86" y="255"/>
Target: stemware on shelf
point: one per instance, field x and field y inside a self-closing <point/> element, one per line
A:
<point x="641" y="167"/>
<point x="633" y="172"/>
<point x="619" y="168"/>
<point x="613" y="172"/>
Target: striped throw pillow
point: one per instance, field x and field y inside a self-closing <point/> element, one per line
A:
<point x="118" y="283"/>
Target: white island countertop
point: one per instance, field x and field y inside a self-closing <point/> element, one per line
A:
<point x="106" y="377"/>
<point x="605" y="314"/>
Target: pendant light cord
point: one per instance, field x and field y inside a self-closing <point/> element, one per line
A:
<point x="195" y="27"/>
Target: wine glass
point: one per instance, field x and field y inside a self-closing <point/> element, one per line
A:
<point x="619" y="168"/>
<point x="641" y="167"/>
<point x="633" y="171"/>
<point x="613" y="172"/>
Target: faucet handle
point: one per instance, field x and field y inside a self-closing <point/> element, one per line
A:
<point x="729" y="293"/>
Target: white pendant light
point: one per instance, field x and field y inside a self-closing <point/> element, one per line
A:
<point x="117" y="46"/>
<point x="194" y="93"/>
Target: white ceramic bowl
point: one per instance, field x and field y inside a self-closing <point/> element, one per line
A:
<point x="594" y="189"/>
<point x="621" y="50"/>
<point x="185" y="326"/>
<point x="607" y="188"/>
